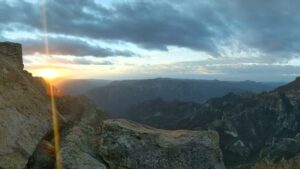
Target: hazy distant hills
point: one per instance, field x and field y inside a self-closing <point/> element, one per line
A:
<point x="79" y="86"/>
<point x="117" y="96"/>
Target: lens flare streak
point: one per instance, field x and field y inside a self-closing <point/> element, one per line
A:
<point x="55" y="123"/>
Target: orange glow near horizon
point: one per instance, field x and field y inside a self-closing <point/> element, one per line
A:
<point x="48" y="74"/>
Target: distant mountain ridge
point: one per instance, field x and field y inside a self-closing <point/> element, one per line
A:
<point x="255" y="129"/>
<point x="79" y="86"/>
<point x="118" y="96"/>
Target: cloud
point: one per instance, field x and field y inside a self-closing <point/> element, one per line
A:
<point x="223" y="71"/>
<point x="270" y="26"/>
<point x="84" y="61"/>
<point x="33" y="60"/>
<point x="151" y="25"/>
<point x="147" y="24"/>
<point x="78" y="61"/>
<point x="264" y="32"/>
<point x="67" y="46"/>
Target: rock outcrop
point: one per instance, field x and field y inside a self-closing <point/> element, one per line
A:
<point x="12" y="52"/>
<point x="129" y="145"/>
<point x="24" y="109"/>
<point x="122" y="144"/>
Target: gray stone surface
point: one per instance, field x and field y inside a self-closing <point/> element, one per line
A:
<point x="129" y="145"/>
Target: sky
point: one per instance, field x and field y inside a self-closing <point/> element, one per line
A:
<point x="136" y="39"/>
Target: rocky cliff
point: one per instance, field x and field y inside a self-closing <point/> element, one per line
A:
<point x="24" y="109"/>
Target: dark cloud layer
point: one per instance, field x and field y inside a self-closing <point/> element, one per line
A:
<point x="269" y="26"/>
<point x="65" y="46"/>
<point x="150" y="25"/>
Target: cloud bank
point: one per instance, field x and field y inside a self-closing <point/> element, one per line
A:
<point x="263" y="31"/>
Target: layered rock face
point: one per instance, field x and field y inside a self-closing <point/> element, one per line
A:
<point x="126" y="144"/>
<point x="24" y="109"/>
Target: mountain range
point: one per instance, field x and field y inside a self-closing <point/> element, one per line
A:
<point x="252" y="127"/>
<point x="116" y="97"/>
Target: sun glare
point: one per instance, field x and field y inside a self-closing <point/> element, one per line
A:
<point x="48" y="74"/>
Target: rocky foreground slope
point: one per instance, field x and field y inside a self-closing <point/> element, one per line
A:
<point x="89" y="139"/>
<point x="24" y="109"/>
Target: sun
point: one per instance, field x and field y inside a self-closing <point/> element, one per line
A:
<point x="48" y="74"/>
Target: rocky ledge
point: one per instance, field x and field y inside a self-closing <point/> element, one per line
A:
<point x="126" y="144"/>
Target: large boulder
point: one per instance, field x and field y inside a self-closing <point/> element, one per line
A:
<point x="24" y="110"/>
<point x="129" y="145"/>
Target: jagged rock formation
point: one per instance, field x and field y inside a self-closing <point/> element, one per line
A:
<point x="126" y="144"/>
<point x="24" y="109"/>
<point x="12" y="52"/>
<point x="292" y="90"/>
